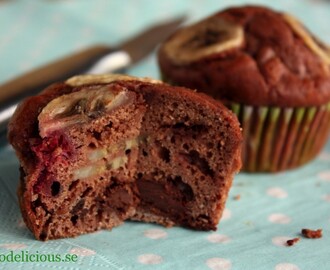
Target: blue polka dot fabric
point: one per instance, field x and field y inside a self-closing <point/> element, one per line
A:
<point x="263" y="211"/>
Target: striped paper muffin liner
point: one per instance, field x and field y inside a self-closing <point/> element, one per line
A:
<point x="277" y="139"/>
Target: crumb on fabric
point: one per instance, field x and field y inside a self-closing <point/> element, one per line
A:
<point x="293" y="241"/>
<point x="311" y="233"/>
<point x="237" y="197"/>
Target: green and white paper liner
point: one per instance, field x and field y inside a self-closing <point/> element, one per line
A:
<point x="276" y="139"/>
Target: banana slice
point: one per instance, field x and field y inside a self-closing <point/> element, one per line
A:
<point x="79" y="107"/>
<point x="297" y="27"/>
<point x="105" y="78"/>
<point x="211" y="36"/>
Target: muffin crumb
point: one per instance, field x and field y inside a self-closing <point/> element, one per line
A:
<point x="311" y="233"/>
<point x="293" y="241"/>
<point x="237" y="197"/>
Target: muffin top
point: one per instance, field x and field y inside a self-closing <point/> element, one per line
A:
<point x="251" y="55"/>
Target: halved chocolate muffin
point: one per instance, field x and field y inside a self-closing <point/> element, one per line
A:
<point x="271" y="71"/>
<point x="97" y="150"/>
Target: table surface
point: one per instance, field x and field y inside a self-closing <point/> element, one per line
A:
<point x="253" y="230"/>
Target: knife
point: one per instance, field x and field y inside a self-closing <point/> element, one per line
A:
<point x="93" y="60"/>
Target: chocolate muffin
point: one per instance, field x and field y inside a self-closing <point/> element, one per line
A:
<point x="271" y="71"/>
<point x="98" y="150"/>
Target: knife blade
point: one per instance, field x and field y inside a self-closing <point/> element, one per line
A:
<point x="94" y="60"/>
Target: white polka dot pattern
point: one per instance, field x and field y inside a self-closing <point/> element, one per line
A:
<point x="218" y="238"/>
<point x="13" y="246"/>
<point x="324" y="176"/>
<point x="155" y="233"/>
<point x="150" y="259"/>
<point x="286" y="266"/>
<point x="279" y="218"/>
<point x="277" y="192"/>
<point x="82" y="251"/>
<point x="326" y="197"/>
<point x="325" y="156"/>
<point x="21" y="223"/>
<point x="218" y="264"/>
<point x="226" y="214"/>
<point x="280" y="240"/>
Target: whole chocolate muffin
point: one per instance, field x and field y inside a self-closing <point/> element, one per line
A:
<point x="272" y="72"/>
<point x="97" y="150"/>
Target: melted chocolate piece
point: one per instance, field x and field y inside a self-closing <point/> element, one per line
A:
<point x="170" y="197"/>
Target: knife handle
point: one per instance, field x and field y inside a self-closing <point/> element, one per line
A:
<point x="34" y="81"/>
